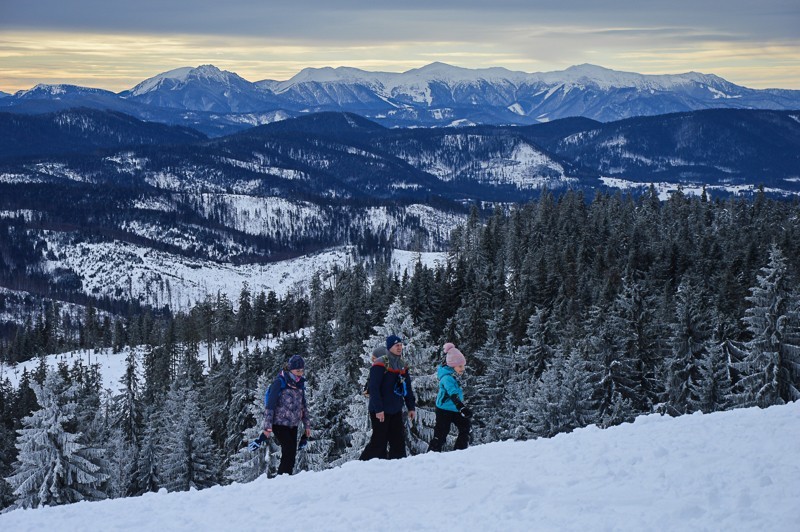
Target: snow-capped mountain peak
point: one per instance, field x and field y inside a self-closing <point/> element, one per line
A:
<point x="180" y="77"/>
<point x="56" y="91"/>
<point x="437" y="94"/>
<point x="330" y="74"/>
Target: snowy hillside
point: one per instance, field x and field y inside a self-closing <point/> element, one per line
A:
<point x="736" y="470"/>
<point x="112" y="365"/>
<point x="157" y="278"/>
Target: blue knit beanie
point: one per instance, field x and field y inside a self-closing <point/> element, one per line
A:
<point x="297" y="362"/>
<point x="393" y="339"/>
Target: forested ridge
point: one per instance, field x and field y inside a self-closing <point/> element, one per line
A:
<point x="570" y="313"/>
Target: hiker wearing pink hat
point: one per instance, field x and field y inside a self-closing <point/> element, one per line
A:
<point x="450" y="407"/>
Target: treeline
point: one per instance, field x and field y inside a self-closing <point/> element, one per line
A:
<point x="570" y="313"/>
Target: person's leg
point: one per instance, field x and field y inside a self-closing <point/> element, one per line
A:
<point x="397" y="435"/>
<point x="440" y="430"/>
<point x="463" y="425"/>
<point x="287" y="438"/>
<point x="376" y="448"/>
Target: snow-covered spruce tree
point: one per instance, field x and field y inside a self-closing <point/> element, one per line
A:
<point x="147" y="474"/>
<point x="691" y="332"/>
<point x="54" y="466"/>
<point x="216" y="396"/>
<point x="710" y="390"/>
<point x="491" y="369"/>
<point x="770" y="368"/>
<point x="632" y="324"/>
<point x="562" y="402"/>
<point x="127" y="408"/>
<point x="245" y="465"/>
<point x="522" y="367"/>
<point x="517" y="406"/>
<point x="188" y="458"/>
<point x="321" y="395"/>
<point x="239" y="416"/>
<point x="122" y="463"/>
<point x="536" y="350"/>
<point x="244" y="318"/>
<point x="612" y="376"/>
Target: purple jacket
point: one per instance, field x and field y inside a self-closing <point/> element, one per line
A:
<point x="287" y="404"/>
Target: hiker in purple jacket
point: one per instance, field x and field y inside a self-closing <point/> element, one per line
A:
<point x="286" y="408"/>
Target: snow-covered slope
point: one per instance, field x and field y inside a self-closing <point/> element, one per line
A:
<point x="484" y="159"/>
<point x="120" y="269"/>
<point x="732" y="471"/>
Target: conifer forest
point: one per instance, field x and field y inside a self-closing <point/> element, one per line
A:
<point x="571" y="311"/>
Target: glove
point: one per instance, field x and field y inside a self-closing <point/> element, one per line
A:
<point x="466" y="412"/>
<point x="303" y="442"/>
<point x="256" y="444"/>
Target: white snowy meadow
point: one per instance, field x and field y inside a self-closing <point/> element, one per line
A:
<point x="734" y="470"/>
<point x="157" y="278"/>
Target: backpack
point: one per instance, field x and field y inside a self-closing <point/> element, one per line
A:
<point x="282" y="380"/>
<point x="401" y="387"/>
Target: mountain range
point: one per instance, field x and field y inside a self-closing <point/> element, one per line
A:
<point x="132" y="195"/>
<point x="218" y="102"/>
<point x="336" y="157"/>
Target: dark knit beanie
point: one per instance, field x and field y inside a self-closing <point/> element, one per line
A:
<point x="391" y="340"/>
<point x="297" y="362"/>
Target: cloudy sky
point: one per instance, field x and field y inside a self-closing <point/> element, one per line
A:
<point x="114" y="45"/>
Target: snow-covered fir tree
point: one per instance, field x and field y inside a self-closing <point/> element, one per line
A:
<point x="633" y="324"/>
<point x="121" y="457"/>
<point x="127" y="408"/>
<point x="147" y="474"/>
<point x="246" y="465"/>
<point x="54" y="465"/>
<point x="770" y="368"/>
<point x="188" y="457"/>
<point x="488" y="385"/>
<point x="563" y="397"/>
<point x="691" y="331"/>
<point x="611" y="372"/>
<point x="710" y="389"/>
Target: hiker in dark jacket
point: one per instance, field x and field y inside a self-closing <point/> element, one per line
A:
<point x="389" y="390"/>
<point x="450" y="407"/>
<point x="286" y="408"/>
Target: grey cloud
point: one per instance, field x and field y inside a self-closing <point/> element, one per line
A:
<point x="409" y="19"/>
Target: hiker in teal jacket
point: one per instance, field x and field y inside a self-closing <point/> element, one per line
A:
<point x="450" y="407"/>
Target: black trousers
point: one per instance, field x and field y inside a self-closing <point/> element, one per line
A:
<point x="391" y="432"/>
<point x="444" y="418"/>
<point x="287" y="439"/>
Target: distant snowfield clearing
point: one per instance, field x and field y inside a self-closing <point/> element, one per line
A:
<point x="119" y="269"/>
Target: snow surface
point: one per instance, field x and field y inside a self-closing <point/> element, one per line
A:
<point x="736" y="470"/>
<point x="112" y="365"/>
<point x="159" y="278"/>
<point x="664" y="190"/>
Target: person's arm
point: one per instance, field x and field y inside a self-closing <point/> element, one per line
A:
<point x="463" y="410"/>
<point x="411" y="400"/>
<point x="304" y="416"/>
<point x="375" y="380"/>
<point x="453" y="392"/>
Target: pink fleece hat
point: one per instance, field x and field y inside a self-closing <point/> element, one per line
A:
<point x="454" y="356"/>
